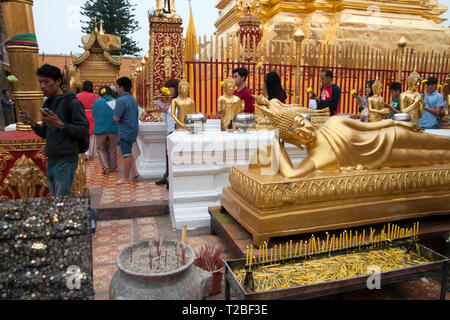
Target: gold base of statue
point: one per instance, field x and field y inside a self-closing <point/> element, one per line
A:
<point x="273" y="206"/>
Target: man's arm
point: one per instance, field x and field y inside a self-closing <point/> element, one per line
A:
<point x="119" y="110"/>
<point x="79" y="128"/>
<point x="336" y="98"/>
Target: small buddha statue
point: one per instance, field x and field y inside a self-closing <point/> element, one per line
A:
<point x="183" y="105"/>
<point x="375" y="104"/>
<point x="229" y="105"/>
<point x="447" y="97"/>
<point x="411" y="100"/>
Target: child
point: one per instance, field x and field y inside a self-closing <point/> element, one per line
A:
<point x="396" y="90"/>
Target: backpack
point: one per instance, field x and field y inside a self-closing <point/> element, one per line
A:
<point x="83" y="144"/>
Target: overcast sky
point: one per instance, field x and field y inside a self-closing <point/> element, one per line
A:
<point x="58" y="26"/>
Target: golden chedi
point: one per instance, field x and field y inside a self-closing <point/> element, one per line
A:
<point x="229" y="105"/>
<point x="376" y="105"/>
<point x="354" y="174"/>
<point x="378" y="24"/>
<point x="411" y="101"/>
<point x="263" y="122"/>
<point x="182" y="105"/>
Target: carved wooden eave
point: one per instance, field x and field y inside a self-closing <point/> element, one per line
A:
<point x="112" y="60"/>
<point x="106" y="42"/>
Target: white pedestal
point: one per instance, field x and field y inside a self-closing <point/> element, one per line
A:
<point x="199" y="169"/>
<point x="439" y="132"/>
<point x="152" y="142"/>
<point x="11" y="127"/>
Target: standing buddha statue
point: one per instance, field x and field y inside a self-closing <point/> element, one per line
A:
<point x="229" y="105"/>
<point x="411" y="100"/>
<point x="375" y="104"/>
<point x="183" y="105"/>
<point x="447" y="98"/>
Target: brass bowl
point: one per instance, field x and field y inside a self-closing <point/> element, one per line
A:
<point x="195" y="122"/>
<point x="244" y="121"/>
<point x="402" y="117"/>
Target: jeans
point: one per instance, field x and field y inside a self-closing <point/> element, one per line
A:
<point x="60" y="177"/>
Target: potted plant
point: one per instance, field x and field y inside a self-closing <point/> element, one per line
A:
<point x="210" y="259"/>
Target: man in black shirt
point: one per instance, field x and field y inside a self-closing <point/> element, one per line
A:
<point x="64" y="125"/>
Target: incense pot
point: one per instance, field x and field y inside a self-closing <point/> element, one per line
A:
<point x="185" y="282"/>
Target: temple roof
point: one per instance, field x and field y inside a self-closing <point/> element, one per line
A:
<point x="106" y="42"/>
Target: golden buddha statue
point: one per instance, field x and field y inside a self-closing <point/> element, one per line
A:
<point x="229" y="105"/>
<point x="168" y="53"/>
<point x="411" y="101"/>
<point x="447" y="97"/>
<point x="375" y="104"/>
<point x="263" y="122"/>
<point x="72" y="81"/>
<point x="183" y="105"/>
<point x="345" y="144"/>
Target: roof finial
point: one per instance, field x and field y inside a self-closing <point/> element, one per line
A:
<point x="95" y="25"/>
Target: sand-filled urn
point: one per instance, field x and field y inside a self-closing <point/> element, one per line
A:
<point x="159" y="270"/>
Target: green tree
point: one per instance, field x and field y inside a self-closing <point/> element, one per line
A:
<point x="118" y="19"/>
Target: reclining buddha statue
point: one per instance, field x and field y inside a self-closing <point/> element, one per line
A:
<point x="263" y="122"/>
<point x="343" y="143"/>
<point x="354" y="174"/>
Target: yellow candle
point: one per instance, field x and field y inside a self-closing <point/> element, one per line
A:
<point x="389" y="231"/>
<point x="300" y="250"/>
<point x="290" y="249"/>
<point x="356" y="239"/>
<point x="340" y="241"/>
<point x="364" y="236"/>
<point x="350" y="238"/>
<point x="281" y="250"/>
<point x="328" y="238"/>
<point x="417" y="229"/>
<point x="184" y="234"/>
<point x="251" y="257"/>
<point x="414" y="229"/>
<point x="267" y="253"/>
<point x="246" y="257"/>
<point x="296" y="248"/>
<point x="286" y="255"/>
<point x="259" y="254"/>
<point x="309" y="248"/>
<point x="318" y="245"/>
<point x="271" y="255"/>
<point x="275" y="252"/>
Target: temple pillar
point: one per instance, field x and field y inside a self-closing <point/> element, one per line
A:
<point x="166" y="57"/>
<point x="23" y="51"/>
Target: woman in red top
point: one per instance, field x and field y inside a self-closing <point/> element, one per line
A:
<point x="87" y="98"/>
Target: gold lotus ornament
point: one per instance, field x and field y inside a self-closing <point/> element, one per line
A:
<point x="259" y="65"/>
<point x="222" y="83"/>
<point x="353" y="92"/>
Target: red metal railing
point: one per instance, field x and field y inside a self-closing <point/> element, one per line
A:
<point x="205" y="78"/>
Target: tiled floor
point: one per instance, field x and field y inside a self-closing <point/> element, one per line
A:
<point x="113" y="236"/>
<point x="129" y="193"/>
